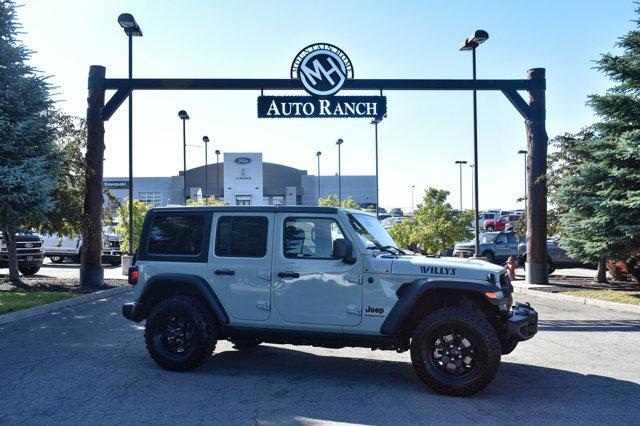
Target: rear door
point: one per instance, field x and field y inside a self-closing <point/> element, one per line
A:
<point x="311" y="286"/>
<point x="240" y="263"/>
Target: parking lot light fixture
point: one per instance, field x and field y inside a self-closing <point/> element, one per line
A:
<point x="318" y="154"/>
<point x="131" y="29"/>
<point x="205" y="139"/>
<point x="217" y="172"/>
<point x="339" y="143"/>
<point x="524" y="153"/>
<point x="182" y="114"/>
<point x="471" y="43"/>
<point x="461" y="163"/>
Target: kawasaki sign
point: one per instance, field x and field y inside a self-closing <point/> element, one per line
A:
<point x="322" y="69"/>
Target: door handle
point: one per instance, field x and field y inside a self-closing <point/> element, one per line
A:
<point x="224" y="272"/>
<point x="288" y="275"/>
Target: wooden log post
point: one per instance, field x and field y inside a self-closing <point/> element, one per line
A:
<point x="536" y="263"/>
<point x="91" y="271"/>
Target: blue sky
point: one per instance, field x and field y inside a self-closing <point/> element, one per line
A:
<point x="425" y="132"/>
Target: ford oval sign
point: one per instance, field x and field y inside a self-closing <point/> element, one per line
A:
<point x="242" y="160"/>
<point x="322" y="68"/>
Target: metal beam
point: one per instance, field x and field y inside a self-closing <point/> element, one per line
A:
<point x="294" y="84"/>
<point x="516" y="100"/>
<point x="114" y="103"/>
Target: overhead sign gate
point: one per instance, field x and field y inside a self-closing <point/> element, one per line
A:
<point x="321" y="70"/>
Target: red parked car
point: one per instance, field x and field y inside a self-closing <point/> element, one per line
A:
<point x="502" y="223"/>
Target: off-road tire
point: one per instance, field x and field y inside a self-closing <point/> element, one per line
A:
<point x="506" y="347"/>
<point x="27" y="271"/>
<point x="243" y="343"/>
<point x="205" y="335"/>
<point x="486" y="344"/>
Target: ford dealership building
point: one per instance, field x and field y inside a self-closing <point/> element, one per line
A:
<point x="244" y="179"/>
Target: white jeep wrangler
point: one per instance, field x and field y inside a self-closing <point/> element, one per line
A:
<point x="318" y="276"/>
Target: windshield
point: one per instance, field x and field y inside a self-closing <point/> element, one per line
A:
<point x="371" y="231"/>
<point x="486" y="238"/>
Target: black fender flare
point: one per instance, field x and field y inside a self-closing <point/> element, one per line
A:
<point x="414" y="291"/>
<point x="194" y="281"/>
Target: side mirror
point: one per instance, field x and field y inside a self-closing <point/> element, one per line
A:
<point x="343" y="249"/>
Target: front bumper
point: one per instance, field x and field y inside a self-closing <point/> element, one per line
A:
<point x="522" y="322"/>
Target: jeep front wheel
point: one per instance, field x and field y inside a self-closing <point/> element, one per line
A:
<point x="181" y="333"/>
<point x="455" y="351"/>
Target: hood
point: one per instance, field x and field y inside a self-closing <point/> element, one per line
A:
<point x="465" y="244"/>
<point x="445" y="267"/>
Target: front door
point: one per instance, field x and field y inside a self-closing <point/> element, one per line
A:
<point x="240" y="269"/>
<point x="311" y="286"/>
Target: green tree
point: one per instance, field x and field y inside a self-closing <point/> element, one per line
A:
<point x="599" y="191"/>
<point x="29" y="158"/>
<point x="66" y="216"/>
<point x="332" y="201"/>
<point x="435" y="225"/>
<point x="122" y="229"/>
<point x="203" y="202"/>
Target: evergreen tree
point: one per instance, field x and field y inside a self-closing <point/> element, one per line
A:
<point x="29" y="158"/>
<point x="599" y="186"/>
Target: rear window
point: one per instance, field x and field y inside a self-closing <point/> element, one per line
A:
<point x="176" y="235"/>
<point x="242" y="236"/>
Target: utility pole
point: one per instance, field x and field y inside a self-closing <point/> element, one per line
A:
<point x="461" y="163"/>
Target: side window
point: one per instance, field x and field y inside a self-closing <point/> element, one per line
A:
<point x="501" y="239"/>
<point x="511" y="238"/>
<point x="176" y="235"/>
<point x="310" y="238"/>
<point x="242" y="236"/>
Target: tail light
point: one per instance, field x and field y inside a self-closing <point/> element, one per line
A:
<point x="133" y="275"/>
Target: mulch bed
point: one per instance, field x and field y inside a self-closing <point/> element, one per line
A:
<point x="55" y="284"/>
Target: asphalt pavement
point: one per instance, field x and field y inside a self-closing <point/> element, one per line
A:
<point x="88" y="365"/>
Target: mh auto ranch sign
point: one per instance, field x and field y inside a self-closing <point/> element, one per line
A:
<point x="323" y="69"/>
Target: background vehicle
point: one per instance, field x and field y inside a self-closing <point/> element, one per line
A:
<point x="58" y="248"/>
<point x="397" y="212"/>
<point x="29" y="250"/>
<point x="318" y="276"/>
<point x="392" y="221"/>
<point x="500" y="224"/>
<point x="482" y="218"/>
<point x="557" y="257"/>
<point x="496" y="247"/>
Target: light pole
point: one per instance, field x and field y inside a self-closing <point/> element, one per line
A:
<point x="471" y="43"/>
<point x="472" y="180"/>
<point x="412" y="206"/>
<point x="318" y="154"/>
<point x="184" y="117"/>
<point x="524" y="153"/>
<point x="375" y="122"/>
<point x="461" y="163"/>
<point x="339" y="143"/>
<point x="217" y="171"/>
<point x="205" y="139"/>
<point x="131" y="29"/>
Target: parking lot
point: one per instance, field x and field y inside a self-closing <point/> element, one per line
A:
<point x="87" y="365"/>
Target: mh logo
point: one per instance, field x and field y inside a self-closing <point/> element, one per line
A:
<point x="322" y="68"/>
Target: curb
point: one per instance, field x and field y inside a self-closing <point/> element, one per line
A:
<point x="616" y="306"/>
<point x="73" y="301"/>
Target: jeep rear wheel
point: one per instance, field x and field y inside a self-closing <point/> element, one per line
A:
<point x="181" y="333"/>
<point x="455" y="351"/>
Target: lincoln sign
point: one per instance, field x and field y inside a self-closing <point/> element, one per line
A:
<point x="322" y="68"/>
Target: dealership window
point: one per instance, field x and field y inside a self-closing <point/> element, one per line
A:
<point x="176" y="234"/>
<point x="242" y="236"/>
<point x="243" y="200"/>
<point x="310" y="238"/>
<point x="277" y="200"/>
<point x="151" y="198"/>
